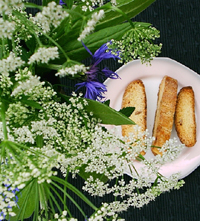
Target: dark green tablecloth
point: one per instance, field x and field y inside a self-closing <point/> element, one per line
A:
<point x="178" y="22"/>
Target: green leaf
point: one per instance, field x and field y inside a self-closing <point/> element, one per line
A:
<point x="31" y="103"/>
<point x="107" y="102"/>
<point x="31" y="44"/>
<point x="26" y="202"/>
<point x="130" y="7"/>
<point x="107" y="114"/>
<point x="45" y="2"/>
<point x="32" y="5"/>
<point x="127" y="111"/>
<point x="39" y="141"/>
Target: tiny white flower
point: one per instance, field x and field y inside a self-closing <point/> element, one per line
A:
<point x="76" y="69"/>
<point x="51" y="15"/>
<point x="96" y="17"/>
<point x="43" y="55"/>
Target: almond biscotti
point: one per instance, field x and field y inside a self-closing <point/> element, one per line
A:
<point x="185" y="122"/>
<point x="135" y="96"/>
<point x="164" y="116"/>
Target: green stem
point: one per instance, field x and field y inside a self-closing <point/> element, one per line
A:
<point x="3" y="118"/>
<point x="65" y="189"/>
<point x="122" y="13"/>
<point x="75" y="190"/>
<point x="55" y="43"/>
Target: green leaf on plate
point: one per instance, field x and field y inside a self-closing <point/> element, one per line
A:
<point x="127" y="111"/>
<point x="107" y="102"/>
<point x="107" y="114"/>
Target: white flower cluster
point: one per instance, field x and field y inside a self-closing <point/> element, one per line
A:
<point x="108" y="210"/>
<point x="26" y="86"/>
<point x="90" y="4"/>
<point x="62" y="217"/>
<point x="10" y="64"/>
<point x="7" y="6"/>
<point x="6" y="28"/>
<point x="96" y="17"/>
<point x="5" y="84"/>
<point x="44" y="128"/>
<point x="76" y="69"/>
<point x="64" y="136"/>
<point x="52" y="15"/>
<point x="44" y="55"/>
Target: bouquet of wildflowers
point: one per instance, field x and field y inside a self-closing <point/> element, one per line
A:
<point x="45" y="133"/>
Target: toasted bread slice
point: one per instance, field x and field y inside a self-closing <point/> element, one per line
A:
<point x="185" y="122"/>
<point x="164" y="116"/>
<point x="135" y="96"/>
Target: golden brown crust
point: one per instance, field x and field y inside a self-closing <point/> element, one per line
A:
<point x="166" y="103"/>
<point x="185" y="122"/>
<point x="135" y="96"/>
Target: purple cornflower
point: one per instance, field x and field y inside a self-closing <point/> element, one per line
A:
<point x="95" y="89"/>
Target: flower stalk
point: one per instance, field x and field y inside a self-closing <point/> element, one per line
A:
<point x="3" y="119"/>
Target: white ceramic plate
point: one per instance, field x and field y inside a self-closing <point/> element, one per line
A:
<point x="151" y="76"/>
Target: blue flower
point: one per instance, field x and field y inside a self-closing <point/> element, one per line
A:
<point x="94" y="89"/>
<point x="103" y="53"/>
<point x="110" y="74"/>
<point x="61" y="2"/>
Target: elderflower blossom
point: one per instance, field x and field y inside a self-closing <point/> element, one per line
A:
<point x="6" y="29"/>
<point x="74" y="70"/>
<point x="44" y="128"/>
<point x="26" y="86"/>
<point x="95" y="153"/>
<point x="10" y="64"/>
<point x="5" y="84"/>
<point x="44" y="55"/>
<point x="7" y="6"/>
<point x="90" y="26"/>
<point x="51" y="15"/>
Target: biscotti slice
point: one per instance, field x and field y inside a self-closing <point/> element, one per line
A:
<point x="164" y="116"/>
<point x="135" y="96"/>
<point x="185" y="122"/>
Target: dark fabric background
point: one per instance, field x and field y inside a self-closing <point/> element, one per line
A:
<point x="178" y="22"/>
